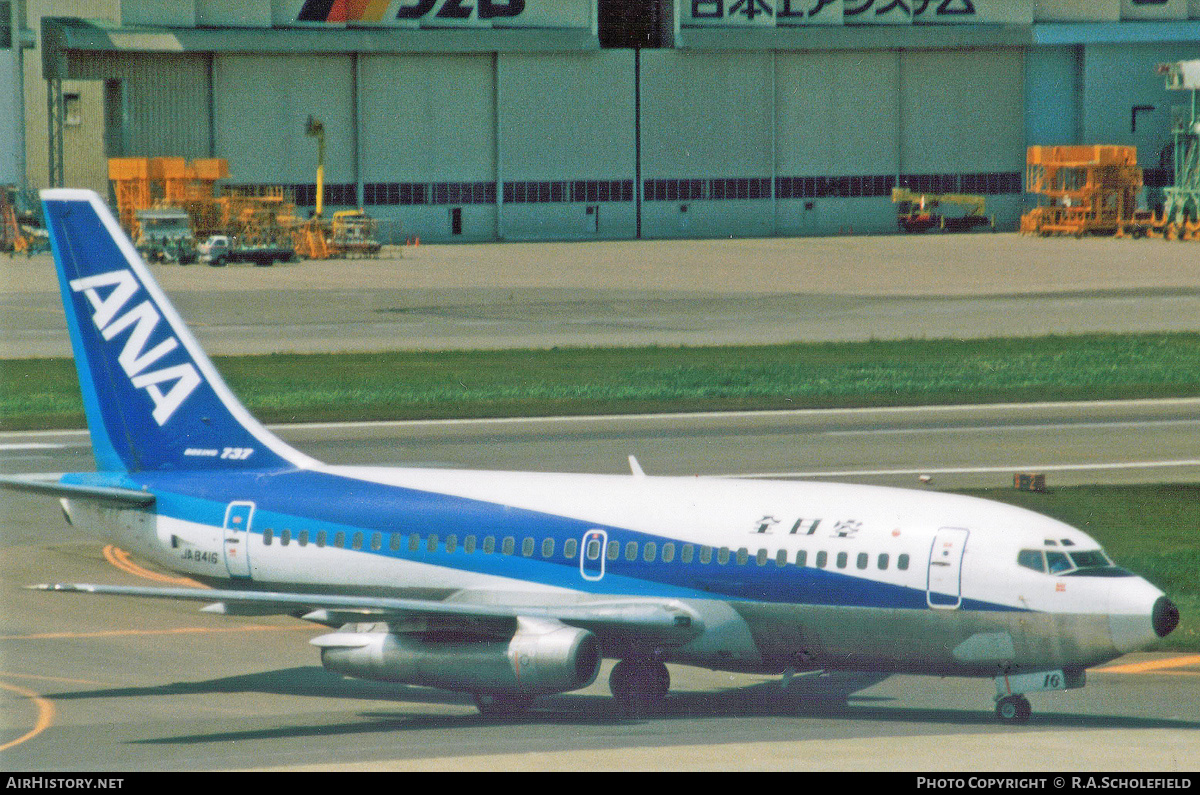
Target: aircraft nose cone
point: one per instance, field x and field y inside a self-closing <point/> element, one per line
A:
<point x="1164" y="617"/>
<point x="1139" y="614"/>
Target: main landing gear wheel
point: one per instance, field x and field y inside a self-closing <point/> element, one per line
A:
<point x="499" y="704"/>
<point x="639" y="685"/>
<point x="1013" y="709"/>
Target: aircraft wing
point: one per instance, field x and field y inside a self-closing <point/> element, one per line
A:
<point x="661" y="621"/>
<point x="103" y="494"/>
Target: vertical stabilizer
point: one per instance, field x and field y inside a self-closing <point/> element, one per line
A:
<point x="153" y="399"/>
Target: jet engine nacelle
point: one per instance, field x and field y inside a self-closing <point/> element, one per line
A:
<point x="541" y="657"/>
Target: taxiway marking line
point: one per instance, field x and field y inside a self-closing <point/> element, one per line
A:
<point x="120" y="558"/>
<point x="45" y="718"/>
<point x="1049" y="426"/>
<point x="61" y="679"/>
<point x="696" y="415"/>
<point x="1151" y="665"/>
<point x="1187" y="462"/>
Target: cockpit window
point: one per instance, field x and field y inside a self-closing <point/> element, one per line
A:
<point x="1031" y="559"/>
<point x="1096" y="564"/>
<point x="1092" y="563"/>
<point x="1058" y="562"/>
<point x="1092" y="559"/>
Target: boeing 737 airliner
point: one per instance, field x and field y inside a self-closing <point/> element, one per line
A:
<point x="508" y="585"/>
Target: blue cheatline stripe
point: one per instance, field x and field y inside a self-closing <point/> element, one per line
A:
<point x="315" y="501"/>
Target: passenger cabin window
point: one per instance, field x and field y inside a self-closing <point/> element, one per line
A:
<point x="548" y="548"/>
<point x="822" y="559"/>
<point x="631" y="550"/>
<point x="883" y="561"/>
<point x="614" y="550"/>
<point x="321" y="536"/>
<point x="303" y="539"/>
<point x="802" y="557"/>
<point x="431" y="543"/>
<point x="451" y="542"/>
<point x="841" y="560"/>
<point x="723" y="555"/>
<point x="571" y="546"/>
<point x="394" y="542"/>
<point x="509" y="545"/>
<point x="414" y="542"/>
<point x="268" y="534"/>
<point x="358" y="540"/>
<point x="469" y="544"/>
<point x="285" y="538"/>
<point x="706" y="555"/>
<point x="527" y="546"/>
<point x="376" y="541"/>
<point x="902" y="562"/>
<point x="650" y="552"/>
<point x="339" y="539"/>
<point x="781" y="557"/>
<point x="668" y="552"/>
<point x="489" y="545"/>
<point x="687" y="553"/>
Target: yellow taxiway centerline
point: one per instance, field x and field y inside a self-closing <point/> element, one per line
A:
<point x="120" y="558"/>
<point x="45" y="718"/>
<point x="1151" y="665"/>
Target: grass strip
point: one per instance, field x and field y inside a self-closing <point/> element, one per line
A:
<point x="43" y="393"/>
<point x="1149" y="529"/>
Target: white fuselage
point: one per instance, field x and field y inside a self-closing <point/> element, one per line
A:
<point x="782" y="574"/>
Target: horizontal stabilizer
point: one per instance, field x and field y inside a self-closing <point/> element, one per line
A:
<point x="102" y="494"/>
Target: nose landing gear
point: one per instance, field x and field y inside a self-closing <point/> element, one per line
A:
<point x="1011" y="704"/>
<point x="1013" y="709"/>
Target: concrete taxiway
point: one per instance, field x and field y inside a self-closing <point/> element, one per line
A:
<point x="105" y="684"/>
<point x="655" y="293"/>
<point x="101" y="683"/>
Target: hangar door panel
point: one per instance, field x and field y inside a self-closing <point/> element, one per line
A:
<point x="707" y="138"/>
<point x="428" y="118"/>
<point x="567" y="144"/>
<point x="963" y="111"/>
<point x="262" y="104"/>
<point x="837" y="113"/>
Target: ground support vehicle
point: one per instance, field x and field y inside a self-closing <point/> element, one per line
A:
<point x="220" y="250"/>
<point x="165" y="235"/>
<point x="920" y="212"/>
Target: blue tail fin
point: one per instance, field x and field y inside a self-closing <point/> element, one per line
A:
<point x="153" y="399"/>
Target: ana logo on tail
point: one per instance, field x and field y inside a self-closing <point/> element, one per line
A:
<point x="134" y="358"/>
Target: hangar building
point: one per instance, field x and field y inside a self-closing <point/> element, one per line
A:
<point x="577" y="119"/>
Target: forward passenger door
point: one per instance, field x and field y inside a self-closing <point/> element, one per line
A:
<point x="944" y="585"/>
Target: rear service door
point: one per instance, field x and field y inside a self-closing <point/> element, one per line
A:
<point x="237" y="538"/>
<point x="944" y="589"/>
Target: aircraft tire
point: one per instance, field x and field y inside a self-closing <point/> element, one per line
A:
<point x="1013" y="709"/>
<point x="498" y="704"/>
<point x="639" y="686"/>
